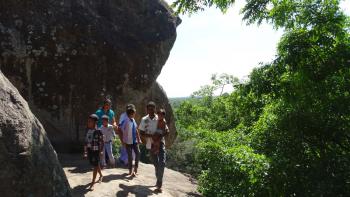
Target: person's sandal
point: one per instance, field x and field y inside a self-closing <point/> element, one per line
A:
<point x="100" y="179"/>
<point x="158" y="190"/>
<point x="91" y="188"/>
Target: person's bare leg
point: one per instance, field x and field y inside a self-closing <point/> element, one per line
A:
<point x="93" y="179"/>
<point x="137" y="158"/>
<point x="129" y="151"/>
<point x="100" y="173"/>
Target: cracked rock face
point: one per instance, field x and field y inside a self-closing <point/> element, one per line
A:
<point x="65" y="56"/>
<point x="29" y="164"/>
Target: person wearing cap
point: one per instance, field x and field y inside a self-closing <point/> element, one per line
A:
<point x="123" y="153"/>
<point x="123" y="116"/>
<point x="154" y="127"/>
<point x="130" y="138"/>
<point x="93" y="147"/>
<point x="106" y="110"/>
<point x="108" y="137"/>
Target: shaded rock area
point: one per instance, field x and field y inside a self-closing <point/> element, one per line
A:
<point x="29" y="164"/>
<point x="65" y="56"/>
<point x="117" y="183"/>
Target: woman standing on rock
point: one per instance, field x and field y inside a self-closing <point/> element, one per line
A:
<point x="93" y="148"/>
<point x="106" y="110"/>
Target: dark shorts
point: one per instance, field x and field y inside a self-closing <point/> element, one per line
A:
<point x="94" y="158"/>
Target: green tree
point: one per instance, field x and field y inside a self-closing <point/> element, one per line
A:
<point x="292" y="117"/>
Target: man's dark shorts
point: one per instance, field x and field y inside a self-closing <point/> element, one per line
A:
<point x="94" y="158"/>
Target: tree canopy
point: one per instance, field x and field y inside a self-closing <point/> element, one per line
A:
<point x="286" y="131"/>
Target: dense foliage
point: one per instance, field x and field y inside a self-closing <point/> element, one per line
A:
<point x="285" y="131"/>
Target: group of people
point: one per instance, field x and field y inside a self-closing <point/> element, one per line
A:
<point x="102" y="130"/>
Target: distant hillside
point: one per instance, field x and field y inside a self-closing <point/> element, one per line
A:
<point x="176" y="101"/>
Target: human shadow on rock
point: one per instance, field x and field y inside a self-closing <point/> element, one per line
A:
<point x="113" y="177"/>
<point x="80" y="190"/>
<point x="80" y="170"/>
<point x="137" y="190"/>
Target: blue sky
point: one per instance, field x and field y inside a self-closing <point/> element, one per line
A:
<point x="210" y="42"/>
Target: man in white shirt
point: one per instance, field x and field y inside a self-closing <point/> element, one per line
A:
<point x="148" y="129"/>
<point x="149" y="123"/>
<point x="108" y="137"/>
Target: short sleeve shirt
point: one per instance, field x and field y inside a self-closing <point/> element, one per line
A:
<point x="123" y="116"/>
<point x="161" y="131"/>
<point x="128" y="127"/>
<point x="108" y="133"/>
<point x="93" y="139"/>
<point x="88" y="137"/>
<point x="149" y="125"/>
<point x="100" y="112"/>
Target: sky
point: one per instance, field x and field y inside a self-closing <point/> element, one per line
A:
<point x="211" y="42"/>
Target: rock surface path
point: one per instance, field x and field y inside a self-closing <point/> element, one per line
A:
<point x="116" y="182"/>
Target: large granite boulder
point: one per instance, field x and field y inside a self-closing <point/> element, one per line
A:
<point x="29" y="164"/>
<point x="65" y="56"/>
